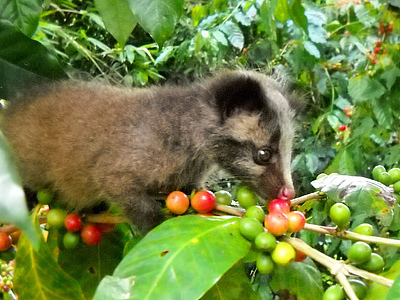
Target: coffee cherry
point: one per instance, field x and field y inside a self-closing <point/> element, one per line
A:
<point x="255" y="212"/>
<point x="203" y="201"/>
<point x="394" y="174"/>
<point x="365" y="229"/>
<point x="250" y="228"/>
<point x="377" y="170"/>
<point x="396" y="186"/>
<point x="359" y="288"/>
<point x="265" y="241"/>
<point x="44" y="197"/>
<point x="276" y="223"/>
<point x="73" y="222"/>
<point x="91" y="234"/>
<point x="385" y="178"/>
<point x="279" y="206"/>
<point x="375" y="263"/>
<point x="334" y="292"/>
<point x="340" y="215"/>
<point x="377" y="50"/>
<point x="297" y="220"/>
<point x="342" y="127"/>
<point x="71" y="240"/>
<point x="177" y="202"/>
<point x="283" y="254"/>
<point x="246" y="197"/>
<point x="223" y="197"/>
<point x="378" y="44"/>
<point x="5" y="241"/>
<point x="359" y="253"/>
<point x="55" y="217"/>
<point x="264" y="264"/>
<point x="300" y="256"/>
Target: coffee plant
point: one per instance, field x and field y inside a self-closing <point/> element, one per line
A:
<point x="338" y="240"/>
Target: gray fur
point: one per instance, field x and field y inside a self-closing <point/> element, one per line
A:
<point x="91" y="142"/>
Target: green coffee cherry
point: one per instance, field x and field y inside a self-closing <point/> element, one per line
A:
<point x="250" y="228"/>
<point x="255" y="212"/>
<point x="376" y="172"/>
<point x="365" y="229"/>
<point x="340" y="215"/>
<point x="359" y="253"/>
<point x="265" y="241"/>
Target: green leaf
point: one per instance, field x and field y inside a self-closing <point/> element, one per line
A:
<point x="234" y="34"/>
<point x="282" y="12"/>
<point x="301" y="279"/>
<point x="316" y="23"/>
<point x="298" y="16"/>
<point x="312" y="49"/>
<point x="376" y="197"/>
<point x="394" y="292"/>
<point x="39" y="277"/>
<point x="157" y="17"/>
<point x="267" y="20"/>
<point x="343" y="163"/>
<point x="118" y="18"/>
<point x="12" y="194"/>
<point x="234" y="285"/>
<point x="23" y="13"/>
<point x="390" y="76"/>
<point x="362" y="88"/>
<point x="23" y="61"/>
<point x="180" y="259"/>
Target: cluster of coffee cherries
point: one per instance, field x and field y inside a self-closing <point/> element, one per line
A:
<point x="76" y="229"/>
<point x="202" y="202"/>
<point x="263" y="230"/>
<point x="389" y="178"/>
<point x="374" y="54"/>
<point x="7" y="272"/>
<point x="359" y="254"/>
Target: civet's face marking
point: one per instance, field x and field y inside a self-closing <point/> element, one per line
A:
<point x="257" y="135"/>
<point x="91" y="142"/>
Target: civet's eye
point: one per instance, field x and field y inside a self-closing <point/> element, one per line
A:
<point x="262" y="156"/>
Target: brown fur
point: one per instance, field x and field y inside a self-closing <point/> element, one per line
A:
<point x="91" y="142"/>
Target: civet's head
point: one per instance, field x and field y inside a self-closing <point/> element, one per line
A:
<point x="255" y="142"/>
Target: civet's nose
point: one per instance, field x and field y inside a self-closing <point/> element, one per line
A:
<point x="286" y="193"/>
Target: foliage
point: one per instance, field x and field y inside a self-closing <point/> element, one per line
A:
<point x="342" y="56"/>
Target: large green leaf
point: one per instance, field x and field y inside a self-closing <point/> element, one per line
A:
<point x="157" y="17"/>
<point x="39" y="277"/>
<point x="363" y="88"/>
<point x="180" y="259"/>
<point x="23" y="61"/>
<point x="118" y="18"/>
<point x="13" y="208"/>
<point x="375" y="197"/>
<point x="234" y="34"/>
<point x="234" y="285"/>
<point x="301" y="279"/>
<point x="23" y="13"/>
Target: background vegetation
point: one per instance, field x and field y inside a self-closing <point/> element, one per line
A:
<point x="342" y="56"/>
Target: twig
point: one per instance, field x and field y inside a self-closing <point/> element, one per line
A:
<point x="351" y="235"/>
<point x="230" y="210"/>
<point x="302" y="199"/>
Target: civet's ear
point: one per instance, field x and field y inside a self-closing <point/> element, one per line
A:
<point x="238" y="92"/>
